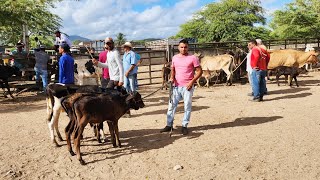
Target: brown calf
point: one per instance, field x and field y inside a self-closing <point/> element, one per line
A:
<point x="84" y="108"/>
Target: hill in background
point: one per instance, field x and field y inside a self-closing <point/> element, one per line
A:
<point x="75" y="37"/>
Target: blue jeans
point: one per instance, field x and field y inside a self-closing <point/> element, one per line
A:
<point x="178" y="94"/>
<point x="137" y="85"/>
<point x="130" y="83"/>
<point x="44" y="76"/>
<point x="259" y="86"/>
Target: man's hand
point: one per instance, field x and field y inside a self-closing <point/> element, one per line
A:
<point x="189" y="85"/>
<point x="95" y="62"/>
<point x="120" y="83"/>
<point x="127" y="74"/>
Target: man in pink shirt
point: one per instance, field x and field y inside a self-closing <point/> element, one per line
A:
<point x="105" y="71"/>
<point x="182" y="75"/>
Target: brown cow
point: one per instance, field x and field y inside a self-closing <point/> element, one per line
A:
<point x="165" y="74"/>
<point x="290" y="58"/>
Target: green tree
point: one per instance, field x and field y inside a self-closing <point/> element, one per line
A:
<point x="120" y="39"/>
<point x="299" y="19"/>
<point x="34" y="14"/>
<point x="76" y="42"/>
<point x="227" y="20"/>
<point x="45" y="40"/>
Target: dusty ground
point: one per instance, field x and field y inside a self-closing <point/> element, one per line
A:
<point x="230" y="138"/>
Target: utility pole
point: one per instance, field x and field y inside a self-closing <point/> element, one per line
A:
<point x="25" y="37"/>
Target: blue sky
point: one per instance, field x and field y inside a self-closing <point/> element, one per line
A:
<point x="137" y="19"/>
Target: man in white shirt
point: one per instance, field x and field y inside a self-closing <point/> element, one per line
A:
<point x="249" y="68"/>
<point x="61" y="39"/>
<point x="114" y="64"/>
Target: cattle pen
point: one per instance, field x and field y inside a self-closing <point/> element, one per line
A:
<point x="153" y="57"/>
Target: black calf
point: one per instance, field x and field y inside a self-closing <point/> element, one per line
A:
<point x="5" y="73"/>
<point x="293" y="72"/>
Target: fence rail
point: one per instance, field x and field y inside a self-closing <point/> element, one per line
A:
<point x="152" y="60"/>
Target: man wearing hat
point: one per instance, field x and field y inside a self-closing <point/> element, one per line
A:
<point x="19" y="56"/>
<point x="130" y="67"/>
<point x="113" y="63"/>
<point x="66" y="65"/>
<point x="61" y="39"/>
<point x="40" y="68"/>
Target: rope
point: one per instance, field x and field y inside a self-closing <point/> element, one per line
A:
<point x="152" y="92"/>
<point x="239" y="64"/>
<point x="88" y="51"/>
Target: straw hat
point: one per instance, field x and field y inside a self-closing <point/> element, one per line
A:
<point x="127" y="44"/>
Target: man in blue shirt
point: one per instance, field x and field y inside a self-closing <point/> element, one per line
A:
<point x="130" y="68"/>
<point x="66" y="65"/>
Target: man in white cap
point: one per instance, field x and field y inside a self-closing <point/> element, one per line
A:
<point x="61" y="39"/>
<point x="130" y="67"/>
<point x="260" y="44"/>
<point x="114" y="64"/>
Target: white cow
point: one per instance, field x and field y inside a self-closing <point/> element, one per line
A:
<point x="211" y="64"/>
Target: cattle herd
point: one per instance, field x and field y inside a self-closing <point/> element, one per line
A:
<point x="89" y="104"/>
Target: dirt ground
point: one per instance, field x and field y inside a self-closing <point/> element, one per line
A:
<point x="230" y="138"/>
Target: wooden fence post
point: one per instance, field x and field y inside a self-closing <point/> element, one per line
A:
<point x="285" y="44"/>
<point x="150" y="78"/>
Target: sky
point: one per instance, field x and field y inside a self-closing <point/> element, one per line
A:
<point x="136" y="19"/>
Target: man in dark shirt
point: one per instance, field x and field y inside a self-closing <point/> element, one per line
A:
<point x="40" y="67"/>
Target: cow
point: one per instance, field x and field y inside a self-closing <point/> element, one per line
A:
<point x="5" y="73"/>
<point x="293" y="72"/>
<point x="290" y="58"/>
<point x="208" y="75"/>
<point x="55" y="93"/>
<point x="97" y="108"/>
<point x="211" y="63"/>
<point x="88" y="71"/>
<point x="165" y="75"/>
<point x="240" y="58"/>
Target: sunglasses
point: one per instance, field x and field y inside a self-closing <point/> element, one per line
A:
<point x="109" y="43"/>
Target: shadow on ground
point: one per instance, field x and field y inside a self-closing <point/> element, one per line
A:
<point x="21" y="103"/>
<point x="138" y="141"/>
<point x="286" y="91"/>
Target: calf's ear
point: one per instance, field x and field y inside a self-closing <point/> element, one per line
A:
<point x="129" y="97"/>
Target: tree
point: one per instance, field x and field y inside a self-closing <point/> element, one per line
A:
<point x="120" y="39"/>
<point x="227" y="20"/>
<point x="300" y="19"/>
<point x="76" y="42"/>
<point x="33" y="14"/>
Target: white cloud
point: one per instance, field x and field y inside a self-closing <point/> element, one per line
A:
<point x="97" y="19"/>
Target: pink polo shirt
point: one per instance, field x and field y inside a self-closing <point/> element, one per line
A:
<point x="184" y="67"/>
<point x="103" y="59"/>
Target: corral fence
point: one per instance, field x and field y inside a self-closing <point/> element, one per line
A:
<point x="222" y="47"/>
<point x="153" y="58"/>
<point x="155" y="55"/>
